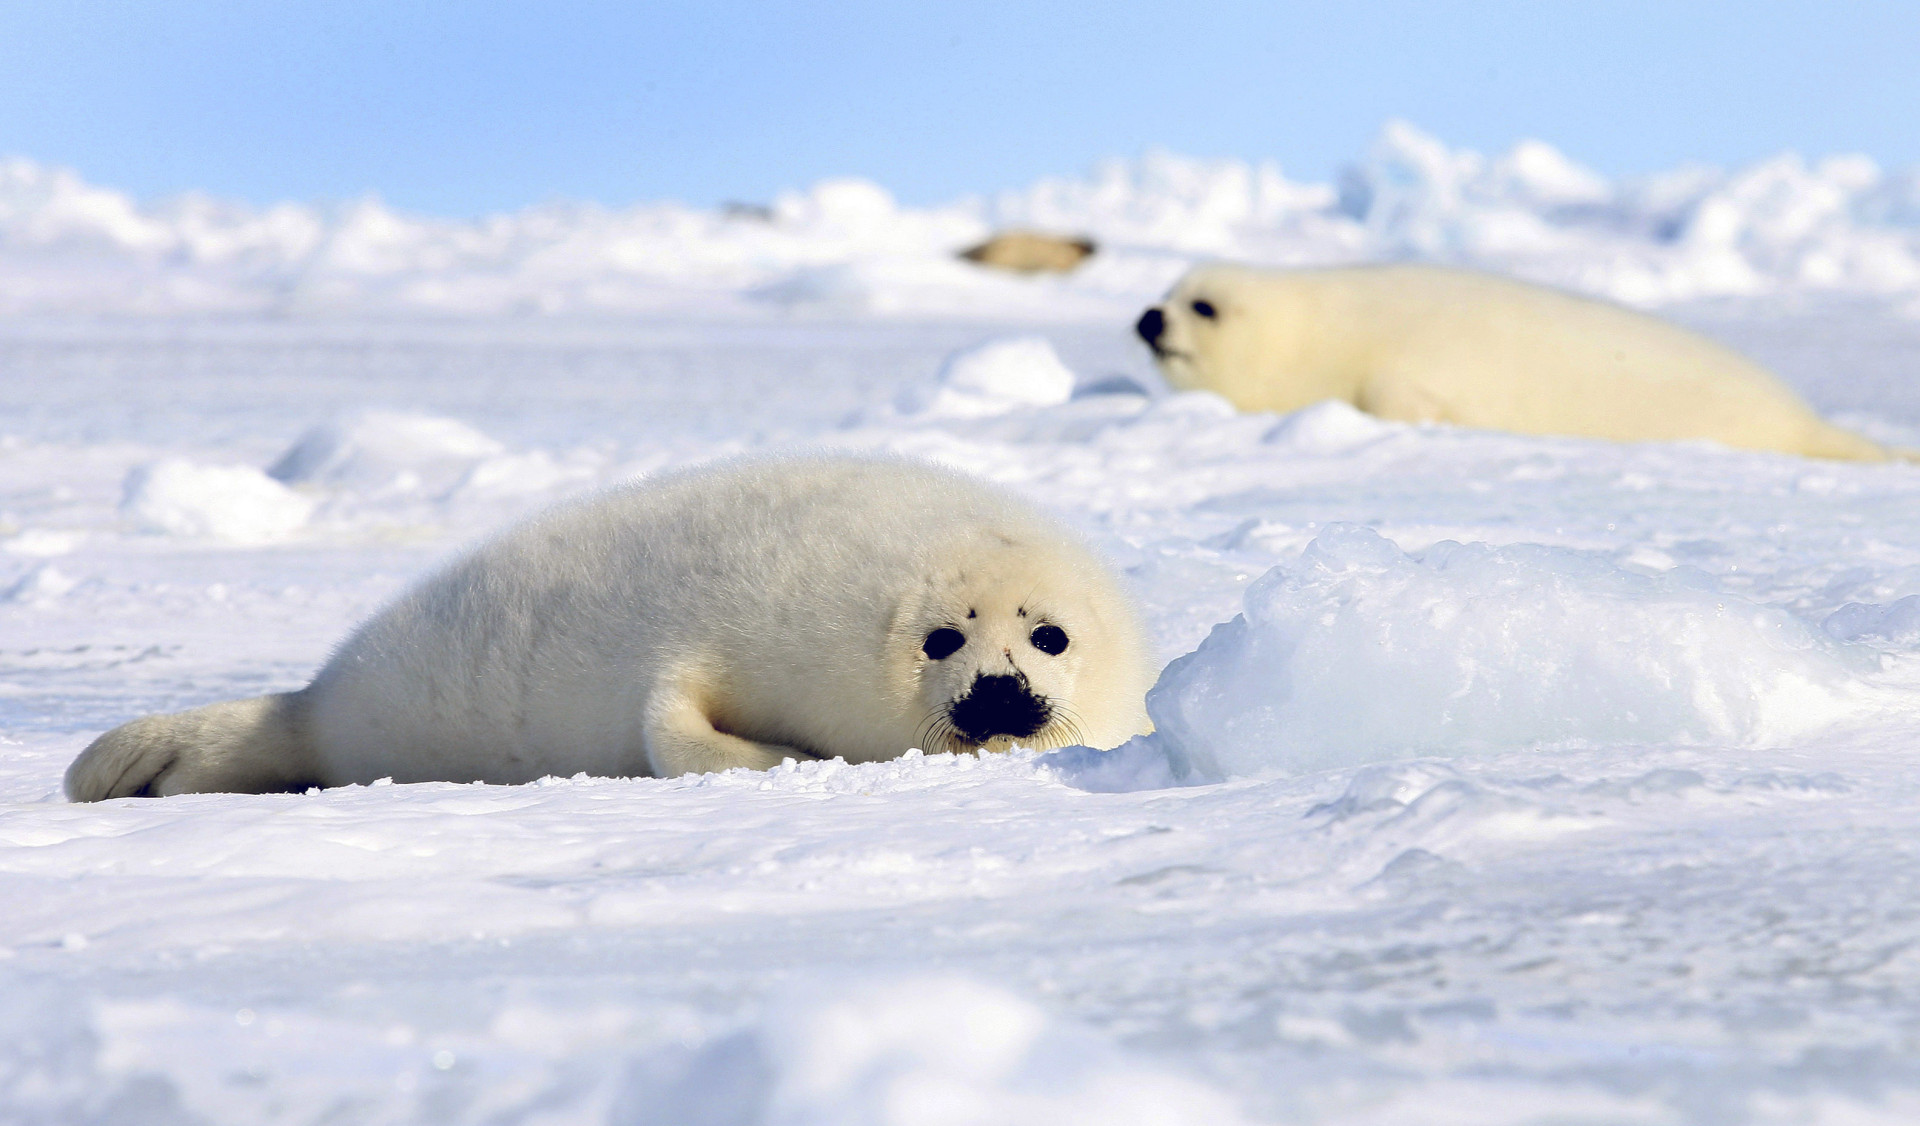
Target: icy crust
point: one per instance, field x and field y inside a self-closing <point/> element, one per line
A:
<point x="1841" y="224"/>
<point x="894" y="942"/>
<point x="898" y="1050"/>
<point x="1359" y="651"/>
<point x="932" y="1051"/>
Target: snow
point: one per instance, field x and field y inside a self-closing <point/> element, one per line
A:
<point x="1537" y="780"/>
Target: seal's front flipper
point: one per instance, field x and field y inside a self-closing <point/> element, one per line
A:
<point x="1403" y="397"/>
<point x="252" y="746"/>
<point x="681" y="739"/>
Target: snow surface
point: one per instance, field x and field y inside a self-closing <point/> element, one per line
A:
<point x="1496" y="779"/>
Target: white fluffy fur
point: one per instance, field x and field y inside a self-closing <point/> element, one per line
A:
<point x="1428" y="344"/>
<point x="718" y="618"/>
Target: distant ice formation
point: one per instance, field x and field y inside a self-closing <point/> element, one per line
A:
<point x="1838" y="225"/>
<point x="383" y="448"/>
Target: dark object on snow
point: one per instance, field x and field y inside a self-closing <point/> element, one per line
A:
<point x="1031" y="252"/>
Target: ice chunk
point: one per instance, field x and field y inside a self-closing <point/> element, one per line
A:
<point x="1896" y="623"/>
<point x="1139" y="764"/>
<point x="1536" y="173"/>
<point x="1358" y="652"/>
<point x="235" y="503"/>
<point x="384" y="448"/>
<point x="995" y="377"/>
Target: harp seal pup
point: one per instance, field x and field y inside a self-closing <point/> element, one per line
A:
<point x="1032" y="252"/>
<point x="723" y="617"/>
<point x="1431" y="344"/>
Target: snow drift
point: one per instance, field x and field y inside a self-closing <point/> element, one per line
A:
<point x="994" y="377"/>
<point x="913" y="1052"/>
<point x="1359" y="652"/>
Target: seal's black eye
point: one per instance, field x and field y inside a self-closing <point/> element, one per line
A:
<point x="945" y="642"/>
<point x="1051" y="640"/>
<point x="1205" y="309"/>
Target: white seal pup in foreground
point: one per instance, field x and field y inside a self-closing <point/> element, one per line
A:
<point x="1431" y="344"/>
<point x="732" y="616"/>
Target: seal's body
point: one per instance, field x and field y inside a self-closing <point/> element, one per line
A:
<point x="719" y="618"/>
<point x="1031" y="252"/>
<point x="1431" y="344"/>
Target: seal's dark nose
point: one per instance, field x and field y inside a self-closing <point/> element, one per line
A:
<point x="1150" y="325"/>
<point x="999" y="705"/>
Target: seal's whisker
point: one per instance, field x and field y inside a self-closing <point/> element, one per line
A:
<point x="940" y="736"/>
<point x="933" y="733"/>
<point x="1069" y="721"/>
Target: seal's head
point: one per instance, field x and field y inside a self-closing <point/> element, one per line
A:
<point x="1217" y="319"/>
<point x="1022" y="641"/>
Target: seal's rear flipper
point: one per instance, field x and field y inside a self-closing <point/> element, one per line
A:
<point x="255" y="746"/>
<point x="682" y="739"/>
<point x="1829" y="441"/>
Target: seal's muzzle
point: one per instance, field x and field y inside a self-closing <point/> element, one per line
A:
<point x="1150" y="325"/>
<point x="999" y="705"/>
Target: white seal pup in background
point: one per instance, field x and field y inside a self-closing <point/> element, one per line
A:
<point x="724" y="617"/>
<point x="1431" y="344"/>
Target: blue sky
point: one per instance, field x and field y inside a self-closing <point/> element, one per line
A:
<point x="462" y="108"/>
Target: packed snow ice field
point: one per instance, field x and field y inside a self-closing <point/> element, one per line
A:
<point x="1496" y="779"/>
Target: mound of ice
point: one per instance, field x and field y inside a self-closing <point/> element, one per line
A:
<point x="911" y="1052"/>
<point x="1359" y="652"/>
<point x="1896" y="623"/>
<point x="40" y="586"/>
<point x="235" y="503"/>
<point x="384" y="449"/>
<point x="1328" y="428"/>
<point x="1000" y="375"/>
